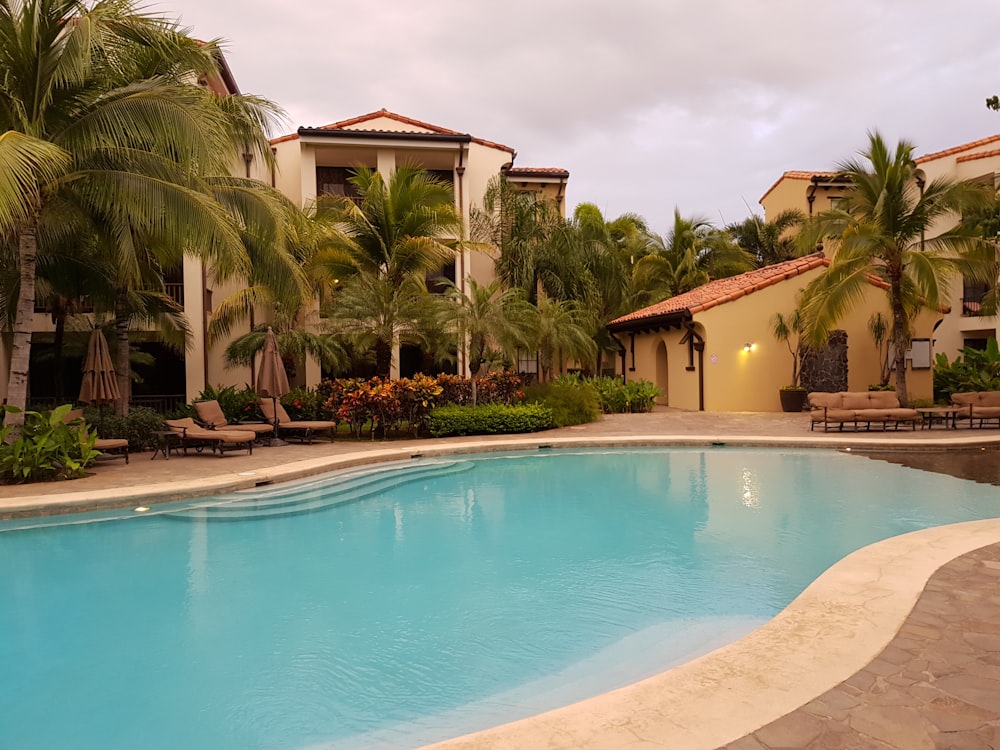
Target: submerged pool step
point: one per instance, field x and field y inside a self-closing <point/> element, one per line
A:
<point x="277" y="501"/>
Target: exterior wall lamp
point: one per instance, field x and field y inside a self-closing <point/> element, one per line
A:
<point x="748" y="347"/>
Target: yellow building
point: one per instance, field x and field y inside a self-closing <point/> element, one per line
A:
<point x="978" y="161"/>
<point x="711" y="349"/>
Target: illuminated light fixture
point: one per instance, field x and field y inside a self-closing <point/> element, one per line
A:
<point x="748" y="347"/>
<point x="141" y="509"/>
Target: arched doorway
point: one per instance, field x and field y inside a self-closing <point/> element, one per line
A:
<point x="661" y="374"/>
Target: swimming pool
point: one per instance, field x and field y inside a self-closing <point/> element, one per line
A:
<point x="453" y="595"/>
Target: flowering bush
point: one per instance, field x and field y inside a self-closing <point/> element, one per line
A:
<point x="301" y="404"/>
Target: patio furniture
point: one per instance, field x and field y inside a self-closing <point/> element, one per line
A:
<point x="199" y="438"/>
<point x="110" y="448"/>
<point x="859" y="408"/>
<point x="943" y="414"/>
<point x="978" y="406"/>
<point x="211" y="416"/>
<point x="275" y="413"/>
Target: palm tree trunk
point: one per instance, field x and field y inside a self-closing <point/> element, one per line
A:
<point x="900" y="340"/>
<point x="383" y="358"/>
<point x="122" y="368"/>
<point x="17" y="386"/>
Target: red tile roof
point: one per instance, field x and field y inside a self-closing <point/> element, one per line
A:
<point x="959" y="149"/>
<point x="980" y="155"/>
<point x="795" y="174"/>
<point x="537" y="172"/>
<point x="347" y="125"/>
<point x="721" y="291"/>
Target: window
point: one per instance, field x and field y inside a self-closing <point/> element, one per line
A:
<point x="973" y="293"/>
<point x="334" y="181"/>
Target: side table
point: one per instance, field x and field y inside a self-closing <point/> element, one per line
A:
<point x="165" y="441"/>
<point x="943" y="414"/>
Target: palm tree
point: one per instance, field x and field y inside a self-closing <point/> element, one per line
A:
<point x="768" y="242"/>
<point x="561" y="332"/>
<point x="880" y="230"/>
<point x="693" y="253"/>
<point x="387" y="244"/>
<point x="489" y="318"/>
<point x="101" y="123"/>
<point x="522" y="227"/>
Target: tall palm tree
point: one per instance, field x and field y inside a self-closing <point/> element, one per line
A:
<point x="880" y="231"/>
<point x="523" y="229"/>
<point x="399" y="232"/>
<point x="101" y="121"/>
<point x="771" y="241"/>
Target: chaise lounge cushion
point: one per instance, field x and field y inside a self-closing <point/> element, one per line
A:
<point x="189" y="430"/>
<point x="272" y="408"/>
<point x="211" y="415"/>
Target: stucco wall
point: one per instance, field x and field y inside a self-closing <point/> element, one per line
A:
<point x="740" y="380"/>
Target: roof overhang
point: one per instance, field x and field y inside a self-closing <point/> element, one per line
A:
<point x="652" y="325"/>
<point x="383" y="138"/>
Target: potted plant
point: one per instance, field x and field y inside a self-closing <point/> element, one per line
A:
<point x="787" y="328"/>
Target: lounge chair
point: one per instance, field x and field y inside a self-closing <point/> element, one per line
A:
<point x="210" y="414"/>
<point x="109" y="447"/>
<point x="193" y="436"/>
<point x="290" y="429"/>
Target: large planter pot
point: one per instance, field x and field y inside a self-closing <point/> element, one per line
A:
<point x="792" y="399"/>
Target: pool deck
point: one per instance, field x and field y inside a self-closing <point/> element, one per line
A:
<point x="896" y="646"/>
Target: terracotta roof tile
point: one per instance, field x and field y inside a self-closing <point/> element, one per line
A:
<point x="347" y="125"/>
<point x="720" y="291"/>
<point x="980" y="155"/>
<point x="538" y="172"/>
<point x="958" y="149"/>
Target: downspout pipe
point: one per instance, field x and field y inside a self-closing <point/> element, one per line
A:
<point x="460" y="272"/>
<point x="698" y="344"/>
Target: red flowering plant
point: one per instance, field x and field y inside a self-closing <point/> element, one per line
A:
<point x="384" y="406"/>
<point x="500" y="387"/>
<point x="355" y="406"/>
<point x="417" y="396"/>
<point x="454" y="390"/>
<point x="301" y="404"/>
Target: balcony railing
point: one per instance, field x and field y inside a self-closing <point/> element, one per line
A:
<point x="972" y="303"/>
<point x="175" y="292"/>
<point x="162" y="403"/>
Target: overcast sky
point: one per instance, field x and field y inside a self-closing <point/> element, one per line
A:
<point x="650" y="104"/>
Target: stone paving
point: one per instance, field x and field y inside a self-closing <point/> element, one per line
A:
<point x="936" y="685"/>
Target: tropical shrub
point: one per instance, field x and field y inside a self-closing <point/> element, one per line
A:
<point x="301" y="404"/>
<point x="417" y="396"/>
<point x="489" y="419"/>
<point x="972" y="370"/>
<point x="571" y="402"/>
<point x="45" y="447"/>
<point x="617" y="397"/>
<point x="239" y="405"/>
<point x="139" y="426"/>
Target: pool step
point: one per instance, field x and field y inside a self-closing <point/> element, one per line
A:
<point x="275" y="501"/>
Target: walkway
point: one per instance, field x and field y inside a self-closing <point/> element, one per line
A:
<point x="936" y="685"/>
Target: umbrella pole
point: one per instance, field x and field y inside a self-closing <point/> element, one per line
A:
<point x="276" y="441"/>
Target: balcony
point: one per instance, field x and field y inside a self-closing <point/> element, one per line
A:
<point x="972" y="299"/>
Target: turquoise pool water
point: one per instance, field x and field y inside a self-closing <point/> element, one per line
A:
<point x="394" y="608"/>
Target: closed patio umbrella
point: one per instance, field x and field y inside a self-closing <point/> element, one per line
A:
<point x="99" y="385"/>
<point x="272" y="382"/>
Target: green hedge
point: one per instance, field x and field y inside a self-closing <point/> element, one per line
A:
<point x="571" y="403"/>
<point x="491" y="419"/>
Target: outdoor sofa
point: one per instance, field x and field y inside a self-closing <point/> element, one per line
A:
<point x="191" y="435"/>
<point x="981" y="406"/>
<point x="859" y="409"/>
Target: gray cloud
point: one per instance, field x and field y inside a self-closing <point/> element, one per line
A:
<point x="650" y="104"/>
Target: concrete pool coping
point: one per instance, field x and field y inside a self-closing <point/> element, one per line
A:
<point x="833" y="629"/>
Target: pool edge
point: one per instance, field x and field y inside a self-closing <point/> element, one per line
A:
<point x="835" y="628"/>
